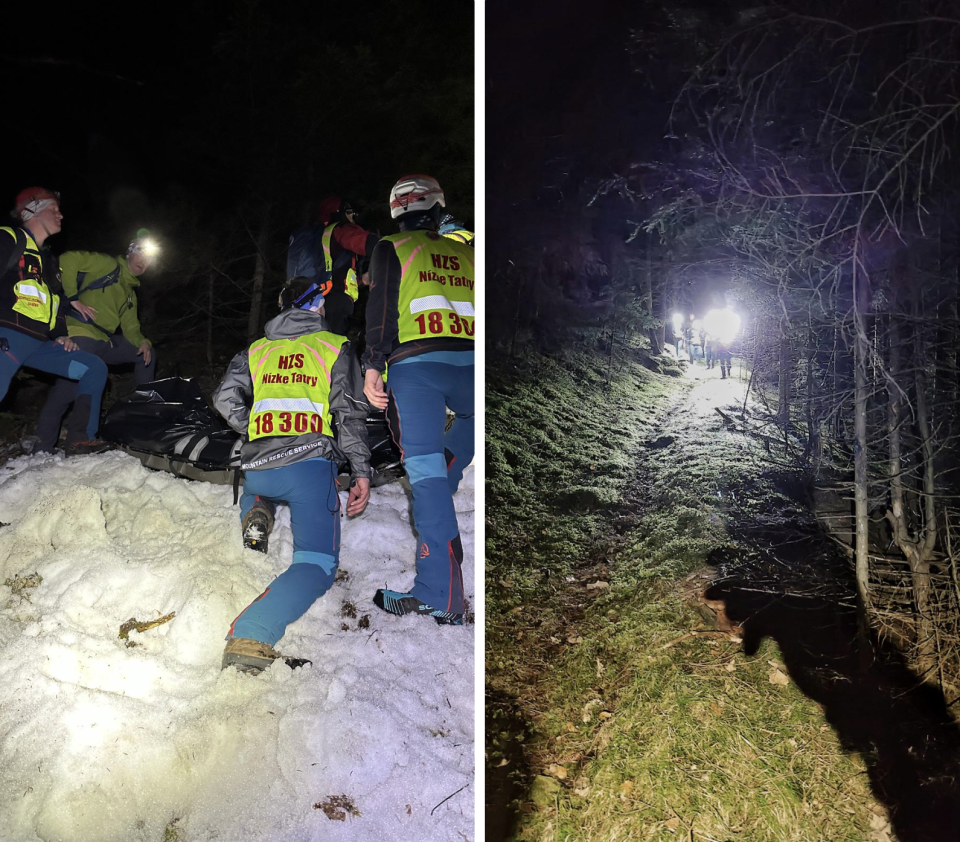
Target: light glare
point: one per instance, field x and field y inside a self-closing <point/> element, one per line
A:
<point x="722" y="324"/>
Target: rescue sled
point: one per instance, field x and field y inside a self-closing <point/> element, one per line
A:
<point x="169" y="426"/>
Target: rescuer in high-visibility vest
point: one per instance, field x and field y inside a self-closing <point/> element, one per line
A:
<point x="453" y="228"/>
<point x="296" y="395"/>
<point x="420" y="320"/>
<point x="32" y="309"/>
<point x="109" y="285"/>
<point x="345" y="244"/>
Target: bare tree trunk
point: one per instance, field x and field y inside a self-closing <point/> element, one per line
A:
<point x="950" y="358"/>
<point x="920" y="565"/>
<point x="916" y="545"/>
<point x="834" y="383"/>
<point x="210" y="276"/>
<point x="860" y="468"/>
<point x="518" y="289"/>
<point x="753" y="368"/>
<point x="656" y="333"/>
<point x="896" y="515"/>
<point x="259" y="271"/>
<point x="814" y="448"/>
<point x="786" y="374"/>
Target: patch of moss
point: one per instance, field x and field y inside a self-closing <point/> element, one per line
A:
<point x="561" y="432"/>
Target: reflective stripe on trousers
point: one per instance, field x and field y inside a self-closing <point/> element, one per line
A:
<point x="420" y="388"/>
<point x="310" y="488"/>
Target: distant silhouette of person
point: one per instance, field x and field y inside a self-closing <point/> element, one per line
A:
<point x="710" y="350"/>
<point x="687" y="334"/>
<point x="345" y="244"/>
<point x="725" y="355"/>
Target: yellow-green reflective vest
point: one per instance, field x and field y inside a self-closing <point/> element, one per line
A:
<point x="34" y="299"/>
<point x="436" y="286"/>
<point x="351" y="281"/>
<point x="291" y="385"/>
<point x="461" y="235"/>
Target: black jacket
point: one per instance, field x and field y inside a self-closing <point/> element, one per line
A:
<point x="31" y="262"/>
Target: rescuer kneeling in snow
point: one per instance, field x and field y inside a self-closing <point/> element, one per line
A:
<point x="284" y="394"/>
<point x="420" y="320"/>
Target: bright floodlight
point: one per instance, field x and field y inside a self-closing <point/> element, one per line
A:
<point x="150" y="247"/>
<point x="723" y="324"/>
<point x="677" y="322"/>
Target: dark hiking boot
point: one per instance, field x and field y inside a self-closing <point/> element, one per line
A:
<point x="404" y="603"/>
<point x="79" y="448"/>
<point x="256" y="528"/>
<point x="253" y="657"/>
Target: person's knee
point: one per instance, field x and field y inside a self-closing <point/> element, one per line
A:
<point x="425" y="467"/>
<point x="327" y="562"/>
<point x="88" y="370"/>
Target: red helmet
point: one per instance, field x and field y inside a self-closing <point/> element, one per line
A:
<point x="328" y="207"/>
<point x="32" y="200"/>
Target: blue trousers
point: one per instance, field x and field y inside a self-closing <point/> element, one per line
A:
<point x="420" y="388"/>
<point x="112" y="351"/>
<point x="43" y="355"/>
<point x="310" y="488"/>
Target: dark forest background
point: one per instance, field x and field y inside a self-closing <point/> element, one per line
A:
<point x="796" y="162"/>
<point x="219" y="126"/>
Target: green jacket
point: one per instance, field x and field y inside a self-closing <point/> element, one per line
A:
<point x="116" y="305"/>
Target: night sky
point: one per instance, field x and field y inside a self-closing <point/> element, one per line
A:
<point x="102" y="94"/>
<point x="142" y="116"/>
<point x="588" y="98"/>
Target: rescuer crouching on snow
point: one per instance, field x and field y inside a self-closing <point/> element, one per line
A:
<point x="420" y="320"/>
<point x="283" y="394"/>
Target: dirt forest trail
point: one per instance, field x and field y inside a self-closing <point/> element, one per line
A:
<point x="794" y="589"/>
<point x="725" y="699"/>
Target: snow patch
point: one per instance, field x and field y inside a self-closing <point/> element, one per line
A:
<point x="109" y="741"/>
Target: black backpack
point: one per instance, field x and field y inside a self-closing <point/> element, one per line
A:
<point x="19" y="248"/>
<point x="305" y="255"/>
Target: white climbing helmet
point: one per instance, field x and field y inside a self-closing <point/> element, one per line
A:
<point x="415" y="193"/>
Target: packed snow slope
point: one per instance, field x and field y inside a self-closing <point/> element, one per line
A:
<point x="105" y="741"/>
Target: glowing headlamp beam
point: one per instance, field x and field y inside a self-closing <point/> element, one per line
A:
<point x="722" y="324"/>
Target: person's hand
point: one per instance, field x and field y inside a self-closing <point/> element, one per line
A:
<point x="145" y="352"/>
<point x="67" y="343"/>
<point x="365" y="278"/>
<point x="359" y="496"/>
<point x="374" y="389"/>
<point x="84" y="310"/>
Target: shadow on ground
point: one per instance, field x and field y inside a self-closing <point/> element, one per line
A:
<point x="507" y="774"/>
<point x="901" y="727"/>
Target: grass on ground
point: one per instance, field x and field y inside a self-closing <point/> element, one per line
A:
<point x="636" y="722"/>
